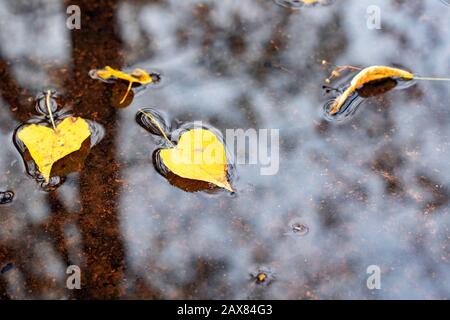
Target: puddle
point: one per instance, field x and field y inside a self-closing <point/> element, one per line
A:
<point x="367" y="186"/>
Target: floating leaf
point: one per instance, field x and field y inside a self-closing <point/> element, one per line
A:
<point x="138" y="76"/>
<point x="369" y="81"/>
<point x="366" y="76"/>
<point x="48" y="145"/>
<point x="53" y="143"/>
<point x="263" y="276"/>
<point x="199" y="155"/>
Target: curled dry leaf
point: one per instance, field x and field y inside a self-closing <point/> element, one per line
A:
<point x="139" y="76"/>
<point x="365" y="76"/>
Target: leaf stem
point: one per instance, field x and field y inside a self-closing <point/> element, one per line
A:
<point x="157" y="125"/>
<point x="126" y="93"/>
<point x="431" y="78"/>
<point x="47" y="104"/>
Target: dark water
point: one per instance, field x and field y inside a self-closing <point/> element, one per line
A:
<point x="373" y="190"/>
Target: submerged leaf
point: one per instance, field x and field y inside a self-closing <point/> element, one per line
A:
<point x="199" y="155"/>
<point x="48" y="145"/>
<point x="366" y="76"/>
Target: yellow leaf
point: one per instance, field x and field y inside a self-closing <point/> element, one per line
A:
<point x="261" y="277"/>
<point x="365" y="76"/>
<point x="47" y="145"/>
<point x="137" y="76"/>
<point x="199" y="155"/>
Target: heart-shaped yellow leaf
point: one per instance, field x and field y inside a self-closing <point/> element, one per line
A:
<point x="47" y="145"/>
<point x="199" y="155"/>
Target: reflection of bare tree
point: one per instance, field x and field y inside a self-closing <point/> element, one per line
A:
<point x="95" y="45"/>
<point x="3" y="287"/>
<point x="12" y="93"/>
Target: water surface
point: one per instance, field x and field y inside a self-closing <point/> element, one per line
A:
<point x="373" y="190"/>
